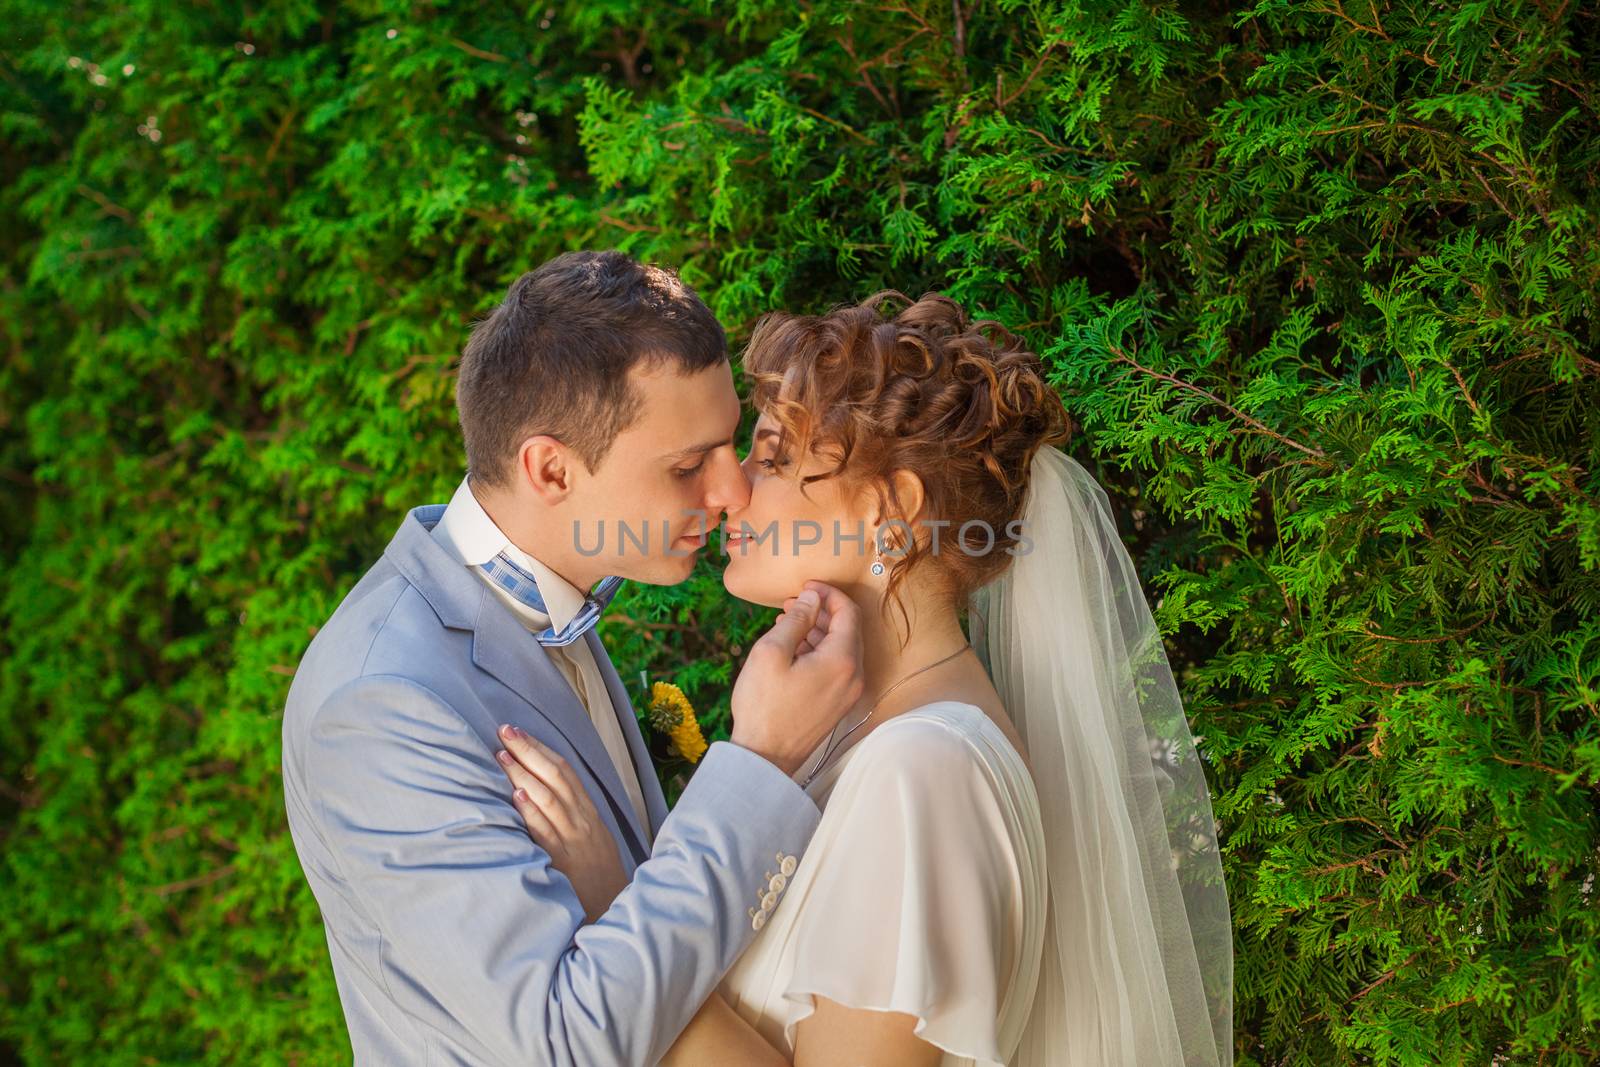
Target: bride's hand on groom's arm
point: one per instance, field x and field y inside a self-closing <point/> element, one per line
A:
<point x="563" y="821"/>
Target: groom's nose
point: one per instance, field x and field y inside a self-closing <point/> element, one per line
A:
<point x="727" y="487"/>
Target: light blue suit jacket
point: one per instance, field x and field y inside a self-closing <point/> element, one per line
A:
<point x="453" y="940"/>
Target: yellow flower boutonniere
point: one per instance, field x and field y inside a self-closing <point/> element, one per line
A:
<point x="672" y="714"/>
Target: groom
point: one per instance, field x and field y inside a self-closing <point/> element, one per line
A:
<point x="597" y="394"/>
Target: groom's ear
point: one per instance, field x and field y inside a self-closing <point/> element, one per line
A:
<point x="547" y="466"/>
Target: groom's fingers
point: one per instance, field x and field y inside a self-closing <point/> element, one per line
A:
<point x="821" y="621"/>
<point x="812" y="640"/>
<point x="819" y="629"/>
<point x="791" y="627"/>
<point x="842" y="636"/>
<point x="827" y="600"/>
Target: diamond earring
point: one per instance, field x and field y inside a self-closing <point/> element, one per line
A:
<point x="877" y="563"/>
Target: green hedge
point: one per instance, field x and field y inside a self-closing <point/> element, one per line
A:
<point x="1318" y="278"/>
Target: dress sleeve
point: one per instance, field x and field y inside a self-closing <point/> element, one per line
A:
<point x="915" y="902"/>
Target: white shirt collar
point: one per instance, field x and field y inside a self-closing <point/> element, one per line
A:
<point x="468" y="531"/>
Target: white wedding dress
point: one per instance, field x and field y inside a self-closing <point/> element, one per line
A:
<point x="923" y="891"/>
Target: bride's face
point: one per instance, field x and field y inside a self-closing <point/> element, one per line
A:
<point x="790" y="536"/>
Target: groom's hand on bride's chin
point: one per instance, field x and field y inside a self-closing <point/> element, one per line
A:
<point x="800" y="678"/>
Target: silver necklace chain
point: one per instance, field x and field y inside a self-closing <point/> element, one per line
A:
<point x="823" y="759"/>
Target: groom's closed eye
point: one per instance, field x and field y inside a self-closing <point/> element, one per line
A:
<point x="699" y="452"/>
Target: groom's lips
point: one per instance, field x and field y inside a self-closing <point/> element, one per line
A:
<point x="692" y="540"/>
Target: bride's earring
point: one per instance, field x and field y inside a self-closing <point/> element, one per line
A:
<point x="878" y="566"/>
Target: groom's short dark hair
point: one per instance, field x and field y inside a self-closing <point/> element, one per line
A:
<point x="554" y="357"/>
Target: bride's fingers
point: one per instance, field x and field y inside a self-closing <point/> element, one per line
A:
<point x="537" y="760"/>
<point x="551" y="803"/>
<point x="553" y="810"/>
<point x="540" y="828"/>
<point x="577" y="796"/>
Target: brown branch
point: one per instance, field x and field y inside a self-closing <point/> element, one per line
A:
<point x="1001" y="103"/>
<point x="1376" y="27"/>
<point x="1257" y="424"/>
<point x="866" y="76"/>
<point x="193" y="883"/>
<point x="1039" y="134"/>
<point x="106" y="204"/>
<point x="1546" y="768"/>
<point x="354" y="335"/>
<point x="883" y="58"/>
<point x="493" y="57"/>
<point x="1365" y="822"/>
<point x="631" y="227"/>
<point x="728" y="122"/>
<point x="1502" y="204"/>
<point x="104" y="253"/>
<point x="641" y="624"/>
<point x="1393" y="687"/>
<point x="903" y="9"/>
<point x="847" y="128"/>
<point x="277" y="137"/>
<point x="629" y="57"/>
<point x="1386" y="977"/>
<point x="1426" y="640"/>
<point x="1365" y="863"/>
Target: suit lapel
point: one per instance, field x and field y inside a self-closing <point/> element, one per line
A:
<point x="504" y="648"/>
<point x="655" y="801"/>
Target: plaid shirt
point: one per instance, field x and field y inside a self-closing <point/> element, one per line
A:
<point x="519" y="583"/>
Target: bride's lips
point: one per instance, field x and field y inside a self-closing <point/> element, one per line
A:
<point x="732" y="539"/>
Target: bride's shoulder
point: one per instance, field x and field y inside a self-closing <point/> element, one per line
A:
<point x="943" y="769"/>
<point x="926" y="742"/>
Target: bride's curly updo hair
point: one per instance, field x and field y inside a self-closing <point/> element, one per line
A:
<point x="962" y="404"/>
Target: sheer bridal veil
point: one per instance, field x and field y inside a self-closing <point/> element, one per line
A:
<point x="1138" y="958"/>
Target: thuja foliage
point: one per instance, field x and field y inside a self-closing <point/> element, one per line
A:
<point x="1317" y="279"/>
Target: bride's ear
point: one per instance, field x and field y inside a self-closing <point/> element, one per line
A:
<point x="905" y="502"/>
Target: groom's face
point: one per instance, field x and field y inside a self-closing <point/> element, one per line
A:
<point x="668" y="478"/>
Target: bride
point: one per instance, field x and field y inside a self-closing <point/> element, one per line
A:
<point x="1017" y="861"/>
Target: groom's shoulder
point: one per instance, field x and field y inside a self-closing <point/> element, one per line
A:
<point x="384" y="626"/>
